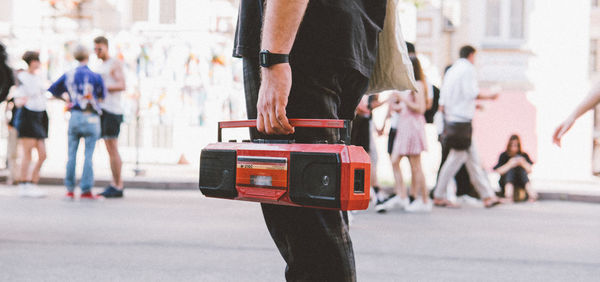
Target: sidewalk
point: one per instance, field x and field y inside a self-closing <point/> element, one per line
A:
<point x="155" y="176"/>
<point x="185" y="177"/>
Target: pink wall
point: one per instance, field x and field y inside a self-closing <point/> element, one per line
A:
<point x="510" y="114"/>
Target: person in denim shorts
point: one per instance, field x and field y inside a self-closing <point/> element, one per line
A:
<point x="111" y="71"/>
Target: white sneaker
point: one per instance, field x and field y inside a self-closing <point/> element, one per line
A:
<point x="419" y="206"/>
<point x="36" y="192"/>
<point x="23" y="189"/>
<point x="391" y="203"/>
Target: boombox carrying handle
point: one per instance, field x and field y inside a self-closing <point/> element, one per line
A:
<point x="343" y="125"/>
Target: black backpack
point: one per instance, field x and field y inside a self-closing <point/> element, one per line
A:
<point x="434" y="107"/>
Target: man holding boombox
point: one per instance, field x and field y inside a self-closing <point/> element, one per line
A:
<point x="307" y="60"/>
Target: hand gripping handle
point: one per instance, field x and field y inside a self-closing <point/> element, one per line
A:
<point x="344" y="125"/>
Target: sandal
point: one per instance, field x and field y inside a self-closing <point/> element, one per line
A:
<point x="445" y="204"/>
<point x="492" y="203"/>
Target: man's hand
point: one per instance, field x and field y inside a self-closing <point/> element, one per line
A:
<point x="560" y="131"/>
<point x="273" y="95"/>
<point x="281" y="21"/>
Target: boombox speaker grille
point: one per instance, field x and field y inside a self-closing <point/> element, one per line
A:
<point x="217" y="173"/>
<point x="315" y="179"/>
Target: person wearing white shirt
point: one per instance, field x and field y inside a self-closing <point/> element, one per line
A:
<point x="32" y="125"/>
<point x="458" y="103"/>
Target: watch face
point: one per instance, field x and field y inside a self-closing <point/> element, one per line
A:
<point x="263" y="58"/>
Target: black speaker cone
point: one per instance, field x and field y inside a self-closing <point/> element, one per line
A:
<point x="315" y="179"/>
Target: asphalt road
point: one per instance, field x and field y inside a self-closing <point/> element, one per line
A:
<point x="182" y="236"/>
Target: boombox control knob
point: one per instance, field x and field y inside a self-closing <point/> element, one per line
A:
<point x="325" y="180"/>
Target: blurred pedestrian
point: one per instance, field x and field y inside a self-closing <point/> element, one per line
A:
<point x="392" y="116"/>
<point x="12" y="144"/>
<point x="84" y="90"/>
<point x="410" y="142"/>
<point x="457" y="103"/>
<point x="587" y="104"/>
<point x="111" y="71"/>
<point x="363" y="131"/>
<point x="513" y="166"/>
<point x="462" y="181"/>
<point x="32" y="124"/>
<point x="7" y="79"/>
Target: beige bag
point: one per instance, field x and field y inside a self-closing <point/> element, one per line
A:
<point x="393" y="69"/>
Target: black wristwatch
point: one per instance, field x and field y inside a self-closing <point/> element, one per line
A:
<point x="267" y="59"/>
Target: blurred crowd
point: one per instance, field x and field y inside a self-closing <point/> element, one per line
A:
<point x="451" y="109"/>
<point x="93" y="100"/>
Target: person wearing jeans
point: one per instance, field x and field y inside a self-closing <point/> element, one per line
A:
<point x="84" y="125"/>
<point x="85" y="90"/>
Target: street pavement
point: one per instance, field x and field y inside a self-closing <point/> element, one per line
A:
<point x="158" y="235"/>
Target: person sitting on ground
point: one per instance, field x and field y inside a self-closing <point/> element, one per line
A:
<point x="513" y="167"/>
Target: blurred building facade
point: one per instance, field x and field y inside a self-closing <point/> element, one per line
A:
<point x="177" y="56"/>
<point x="544" y="57"/>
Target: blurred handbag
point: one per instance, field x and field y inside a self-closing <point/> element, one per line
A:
<point x="457" y="135"/>
<point x="392" y="69"/>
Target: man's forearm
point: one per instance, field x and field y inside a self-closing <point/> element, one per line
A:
<point x="282" y="19"/>
<point x="588" y="103"/>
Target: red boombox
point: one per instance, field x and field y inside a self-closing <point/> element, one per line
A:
<point x="327" y="176"/>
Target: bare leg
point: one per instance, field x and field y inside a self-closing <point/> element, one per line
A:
<point x="418" y="177"/>
<point x="400" y="188"/>
<point x="116" y="164"/>
<point x="414" y="181"/>
<point x="41" y="149"/>
<point x="509" y="189"/>
<point x="27" y="144"/>
<point x="533" y="195"/>
<point x="13" y="155"/>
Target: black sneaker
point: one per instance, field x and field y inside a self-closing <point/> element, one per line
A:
<point x="111" y="192"/>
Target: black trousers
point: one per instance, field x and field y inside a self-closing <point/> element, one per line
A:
<point x="361" y="132"/>
<point x="315" y="243"/>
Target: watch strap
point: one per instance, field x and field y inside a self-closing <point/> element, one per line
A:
<point x="268" y="59"/>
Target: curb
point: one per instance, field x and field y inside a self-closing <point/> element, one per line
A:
<point x="128" y="183"/>
<point x="151" y="184"/>
<point x="571" y="197"/>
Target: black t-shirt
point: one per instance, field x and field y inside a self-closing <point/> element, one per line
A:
<point x="504" y="158"/>
<point x="333" y="33"/>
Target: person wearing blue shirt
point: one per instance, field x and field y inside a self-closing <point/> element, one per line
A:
<point x="83" y="90"/>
